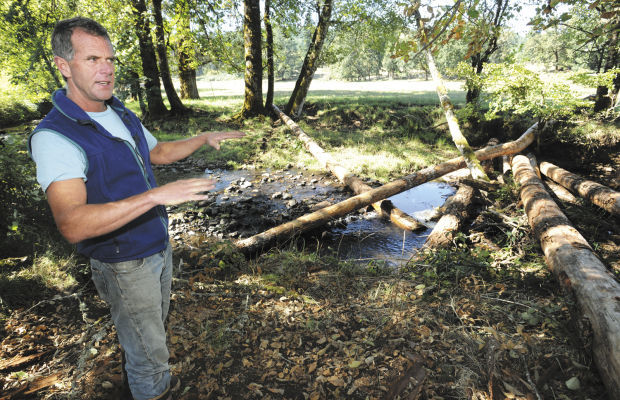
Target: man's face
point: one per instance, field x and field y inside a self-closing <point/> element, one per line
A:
<point x="90" y="74"/>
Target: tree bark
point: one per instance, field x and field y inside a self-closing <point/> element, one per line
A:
<point x="457" y="136"/>
<point x="603" y="99"/>
<point x="456" y="210"/>
<point x="604" y="197"/>
<point x="187" y="71"/>
<point x="176" y="106"/>
<point x="384" y="208"/>
<point x="155" y="103"/>
<point x="270" y="66"/>
<point x="311" y="62"/>
<point x="309" y="221"/>
<point x="253" y="100"/>
<point x="576" y="266"/>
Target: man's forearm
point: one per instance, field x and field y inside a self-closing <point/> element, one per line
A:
<point x="91" y="220"/>
<point x="78" y="220"/>
<point x="169" y="152"/>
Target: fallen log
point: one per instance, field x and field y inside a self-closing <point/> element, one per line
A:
<point x="457" y="209"/>
<point x="576" y="266"/>
<point x="385" y="208"/>
<point x="320" y="217"/>
<point x="460" y="141"/>
<point x="600" y="195"/>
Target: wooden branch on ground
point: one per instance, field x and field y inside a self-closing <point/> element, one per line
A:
<point x="604" y="197"/>
<point x="320" y="217"/>
<point x="30" y="388"/>
<point x="457" y="209"/>
<point x="385" y="208"/>
<point x="21" y="361"/>
<point x="577" y="267"/>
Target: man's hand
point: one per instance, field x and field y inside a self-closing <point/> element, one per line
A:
<point x="182" y="190"/>
<point x="214" y="138"/>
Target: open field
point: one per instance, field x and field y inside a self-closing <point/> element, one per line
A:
<point x="415" y="91"/>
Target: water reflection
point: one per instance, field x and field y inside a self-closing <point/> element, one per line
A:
<point x="372" y="238"/>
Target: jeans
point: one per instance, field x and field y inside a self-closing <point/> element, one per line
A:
<point x="138" y="294"/>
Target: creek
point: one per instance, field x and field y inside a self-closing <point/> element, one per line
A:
<point x="248" y="201"/>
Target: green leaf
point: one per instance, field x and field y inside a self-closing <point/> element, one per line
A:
<point x="565" y="17"/>
<point x="473" y="13"/>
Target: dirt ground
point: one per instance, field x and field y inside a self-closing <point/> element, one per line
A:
<point x="484" y="320"/>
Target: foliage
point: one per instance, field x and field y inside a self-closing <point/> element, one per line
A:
<point x="25" y="221"/>
<point x="605" y="79"/>
<point x="592" y="25"/>
<point x="516" y="89"/>
<point x="15" y="107"/>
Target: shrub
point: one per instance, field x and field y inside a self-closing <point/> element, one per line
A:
<point x="25" y="220"/>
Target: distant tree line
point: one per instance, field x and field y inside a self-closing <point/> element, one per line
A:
<point x="159" y="42"/>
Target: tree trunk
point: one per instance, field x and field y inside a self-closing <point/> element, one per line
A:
<point x="185" y="50"/>
<point x="311" y="62"/>
<point x="253" y="100"/>
<point x="270" y="66"/>
<point x="456" y="210"/>
<point x="576" y="266"/>
<point x="457" y="136"/>
<point x="176" y="106"/>
<point x="187" y="76"/>
<point x="155" y="103"/>
<point x="602" y="99"/>
<point x="385" y="208"/>
<point x="309" y="221"/>
<point x="604" y="197"/>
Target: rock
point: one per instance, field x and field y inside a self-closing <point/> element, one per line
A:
<point x="287" y="196"/>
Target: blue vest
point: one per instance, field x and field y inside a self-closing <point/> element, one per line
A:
<point x="115" y="171"/>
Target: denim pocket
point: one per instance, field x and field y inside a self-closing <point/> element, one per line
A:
<point x="127" y="267"/>
<point x="100" y="283"/>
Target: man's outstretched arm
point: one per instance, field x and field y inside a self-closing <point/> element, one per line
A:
<point x="169" y="152"/>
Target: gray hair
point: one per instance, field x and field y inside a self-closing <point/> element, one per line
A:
<point x="61" y="36"/>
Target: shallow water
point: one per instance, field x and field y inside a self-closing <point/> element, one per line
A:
<point x="372" y="238"/>
<point x="360" y="237"/>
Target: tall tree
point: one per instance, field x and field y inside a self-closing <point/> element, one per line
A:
<point x="270" y="66"/>
<point x="186" y="52"/>
<point x="486" y="21"/>
<point x="606" y="30"/>
<point x="311" y="61"/>
<point x="253" y="99"/>
<point x="176" y="106"/>
<point x="155" y="102"/>
<point x="27" y="58"/>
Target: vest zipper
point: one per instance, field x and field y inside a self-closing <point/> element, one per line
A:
<point x="140" y="160"/>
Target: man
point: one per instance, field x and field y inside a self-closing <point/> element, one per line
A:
<point x="93" y="161"/>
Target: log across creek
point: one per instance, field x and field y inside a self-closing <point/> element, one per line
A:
<point x="385" y="208"/>
<point x="266" y="239"/>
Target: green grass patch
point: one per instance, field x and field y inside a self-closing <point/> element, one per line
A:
<point x="27" y="280"/>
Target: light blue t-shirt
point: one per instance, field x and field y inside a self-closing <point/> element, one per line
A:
<point x="59" y="159"/>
